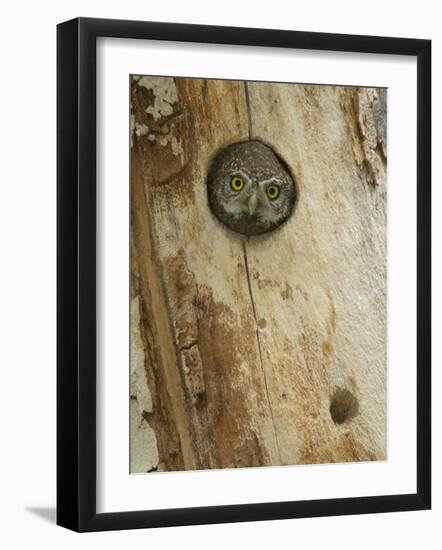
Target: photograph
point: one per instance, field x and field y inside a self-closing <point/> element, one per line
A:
<point x="258" y="273"/>
<point x="219" y="254"/>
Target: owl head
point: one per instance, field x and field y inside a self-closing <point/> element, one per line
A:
<point x="250" y="189"/>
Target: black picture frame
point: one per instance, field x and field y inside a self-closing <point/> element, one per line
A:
<point x="77" y="287"/>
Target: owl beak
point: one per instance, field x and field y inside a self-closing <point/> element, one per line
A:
<point x="252" y="203"/>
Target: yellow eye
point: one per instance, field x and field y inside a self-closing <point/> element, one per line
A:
<point x="236" y="183"/>
<point x="273" y="192"/>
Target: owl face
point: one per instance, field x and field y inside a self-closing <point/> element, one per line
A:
<point x="250" y="189"/>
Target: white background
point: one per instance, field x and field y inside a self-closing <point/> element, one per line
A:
<point x="27" y="299"/>
<point x="116" y="489"/>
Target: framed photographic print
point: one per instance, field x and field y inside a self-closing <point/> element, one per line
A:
<point x="243" y="274"/>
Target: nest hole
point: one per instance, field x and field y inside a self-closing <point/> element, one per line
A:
<point x="343" y="406"/>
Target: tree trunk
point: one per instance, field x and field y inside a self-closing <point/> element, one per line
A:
<point x="269" y="350"/>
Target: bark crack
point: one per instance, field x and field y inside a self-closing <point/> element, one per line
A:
<point x="258" y="340"/>
<point x="186" y="347"/>
<point x="249" y="111"/>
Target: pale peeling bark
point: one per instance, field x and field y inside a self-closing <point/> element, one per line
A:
<point x="270" y="350"/>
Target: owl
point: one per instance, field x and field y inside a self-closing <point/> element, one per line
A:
<point x="250" y="189"/>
